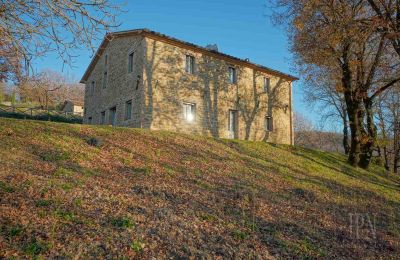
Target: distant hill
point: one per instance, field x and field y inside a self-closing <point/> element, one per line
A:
<point x="324" y="141"/>
<point x="77" y="192"/>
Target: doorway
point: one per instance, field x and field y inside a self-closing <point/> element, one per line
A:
<point x="113" y="112"/>
<point x="234" y="124"/>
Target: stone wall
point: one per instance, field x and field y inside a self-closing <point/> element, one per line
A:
<point x="159" y="86"/>
<point x="121" y="86"/>
<point x="167" y="86"/>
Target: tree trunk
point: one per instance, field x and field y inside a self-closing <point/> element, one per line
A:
<point x="396" y="148"/>
<point x="346" y="145"/>
<point x="368" y="144"/>
<point x="386" y="158"/>
<point x="353" y="112"/>
<point x="353" y="106"/>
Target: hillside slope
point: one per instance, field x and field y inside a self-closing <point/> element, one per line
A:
<point x="134" y="193"/>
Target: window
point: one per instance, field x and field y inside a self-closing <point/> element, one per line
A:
<point x="269" y="124"/>
<point x="105" y="79"/>
<point x="128" y="109"/>
<point x="232" y="75"/>
<point x="89" y="120"/>
<point x="130" y="62"/>
<point x="105" y="71"/>
<point x="113" y="112"/>
<point x="189" y="111"/>
<point x="103" y="118"/>
<point x="266" y="85"/>
<point x="190" y="63"/>
<point x="92" y="87"/>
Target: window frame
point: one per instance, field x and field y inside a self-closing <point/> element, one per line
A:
<point x="105" y="72"/>
<point x="131" y="56"/>
<point x="190" y="64"/>
<point x="232" y="78"/>
<point x="128" y="103"/>
<point x="102" y="117"/>
<point x="267" y="87"/>
<point x="92" y="87"/>
<point x="193" y="109"/>
<point x="269" y="124"/>
<point x="105" y="78"/>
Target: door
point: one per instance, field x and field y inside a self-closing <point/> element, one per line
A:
<point x="233" y="124"/>
<point x="113" y="112"/>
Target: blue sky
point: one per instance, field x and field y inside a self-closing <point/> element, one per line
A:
<point x="239" y="28"/>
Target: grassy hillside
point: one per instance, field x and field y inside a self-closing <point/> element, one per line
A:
<point x="135" y="193"/>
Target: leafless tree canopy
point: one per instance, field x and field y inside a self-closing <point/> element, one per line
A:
<point x="29" y="29"/>
<point x="49" y="89"/>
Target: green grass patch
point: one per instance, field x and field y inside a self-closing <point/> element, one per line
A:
<point x="11" y="231"/>
<point x="122" y="222"/>
<point x="35" y="247"/>
<point x="240" y="235"/>
<point x="65" y="215"/>
<point x="43" y="203"/>
<point x="137" y="245"/>
<point x="6" y="187"/>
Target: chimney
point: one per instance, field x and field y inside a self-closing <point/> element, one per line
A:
<point x="212" y="47"/>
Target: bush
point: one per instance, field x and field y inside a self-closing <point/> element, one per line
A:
<point x="95" y="141"/>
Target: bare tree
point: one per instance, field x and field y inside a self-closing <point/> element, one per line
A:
<point x="50" y="88"/>
<point x="29" y="29"/>
<point x="309" y="136"/>
<point x="322" y="94"/>
<point x="338" y="36"/>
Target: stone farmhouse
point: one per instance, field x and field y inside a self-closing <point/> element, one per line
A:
<point x="144" y="79"/>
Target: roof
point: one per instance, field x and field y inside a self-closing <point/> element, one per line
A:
<point x="180" y="43"/>
<point x="73" y="102"/>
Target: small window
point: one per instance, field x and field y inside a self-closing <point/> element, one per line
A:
<point x="105" y="61"/>
<point x="190" y="63"/>
<point x="113" y="113"/>
<point x="128" y="109"/>
<point x="89" y="120"/>
<point x="103" y="118"/>
<point x="232" y="75"/>
<point x="266" y="85"/>
<point x="269" y="124"/>
<point x="189" y="112"/>
<point x="130" y="62"/>
<point x="105" y="79"/>
<point x="92" y="87"/>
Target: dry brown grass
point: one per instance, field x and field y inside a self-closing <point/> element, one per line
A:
<point x="141" y="194"/>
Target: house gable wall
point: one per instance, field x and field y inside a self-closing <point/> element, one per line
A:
<point x="121" y="86"/>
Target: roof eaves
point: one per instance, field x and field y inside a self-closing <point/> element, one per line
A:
<point x="109" y="36"/>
